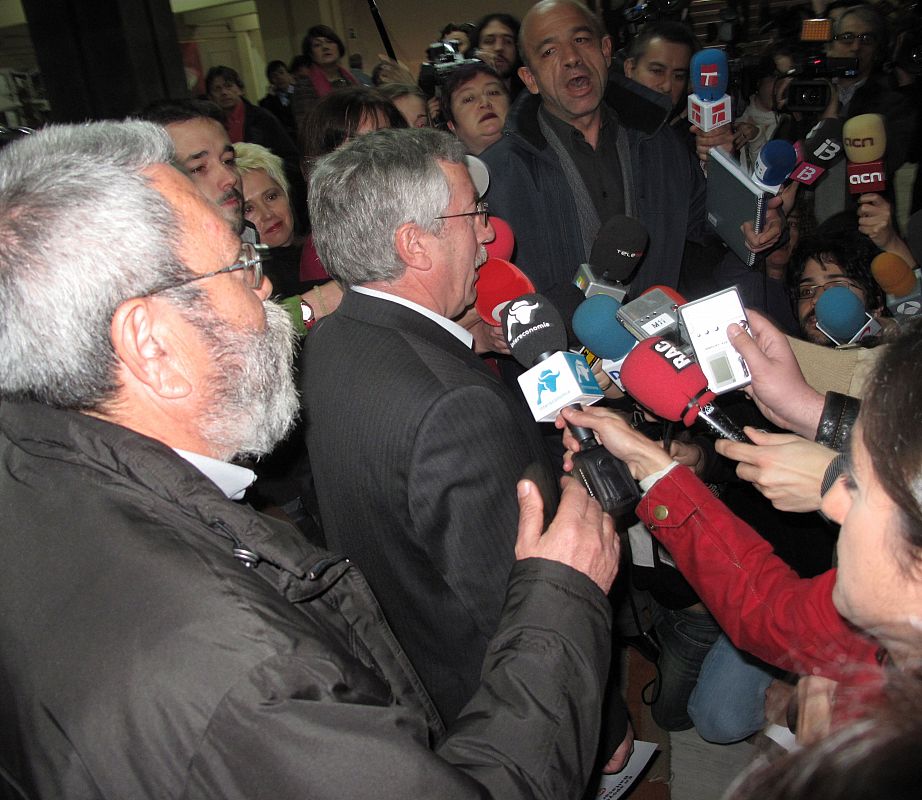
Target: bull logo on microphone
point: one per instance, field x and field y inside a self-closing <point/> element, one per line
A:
<point x="672" y="354"/>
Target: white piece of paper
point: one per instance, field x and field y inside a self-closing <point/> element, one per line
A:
<point x="615" y="786"/>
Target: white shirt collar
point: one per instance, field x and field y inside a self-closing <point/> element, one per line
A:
<point x="231" y="479"/>
<point x="461" y="334"/>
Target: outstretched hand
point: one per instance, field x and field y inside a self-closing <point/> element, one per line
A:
<point x="581" y="535"/>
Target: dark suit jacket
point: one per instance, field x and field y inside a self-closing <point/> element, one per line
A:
<point x="416" y="448"/>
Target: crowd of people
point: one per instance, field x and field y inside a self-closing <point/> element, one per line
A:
<point x="278" y="521"/>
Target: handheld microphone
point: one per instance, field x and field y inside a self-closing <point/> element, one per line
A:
<point x="902" y="284"/>
<point x="709" y="105"/>
<point x="865" y="140"/>
<point x="596" y="325"/>
<point x="663" y="379"/>
<point x="618" y="247"/>
<point x="554" y="379"/>
<point x="775" y="162"/>
<point x="821" y="149"/>
<point x="654" y="313"/>
<point x="503" y="240"/>
<point x="840" y="315"/>
<point x="498" y="284"/>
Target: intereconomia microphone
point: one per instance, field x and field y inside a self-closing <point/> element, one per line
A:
<point x="665" y="380"/>
<point x="596" y="325"/>
<point x="554" y="380"/>
<point x="840" y="315"/>
<point x="775" y="162"/>
<point x="618" y="248"/>
<point x="709" y="105"/>
<point x="499" y="283"/>
<point x="902" y="284"/>
<point x="503" y="239"/>
<point x="865" y="141"/>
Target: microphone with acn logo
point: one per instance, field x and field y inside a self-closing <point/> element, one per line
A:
<point x="865" y="141"/>
<point x="902" y="283"/>
<point x="668" y="382"/>
<point x="709" y="105"/>
<point x="555" y="379"/>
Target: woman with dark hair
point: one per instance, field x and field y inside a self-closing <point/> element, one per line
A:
<point x="324" y="51"/>
<point x="338" y="117"/>
<point x="474" y="106"/>
<point x="847" y="624"/>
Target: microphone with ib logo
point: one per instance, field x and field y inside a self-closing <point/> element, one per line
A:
<point x="865" y="140"/>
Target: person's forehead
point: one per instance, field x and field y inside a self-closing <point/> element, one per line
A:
<point x="854" y="24"/>
<point x="556" y="23"/>
<point x="256" y="181"/>
<point x="479" y="81"/>
<point x="827" y="268"/>
<point x="200" y="136"/>
<point x="459" y="181"/>
<point x="496" y="28"/>
<point x="669" y="54"/>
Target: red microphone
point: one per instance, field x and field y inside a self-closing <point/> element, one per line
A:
<point x="498" y="284"/>
<point x="668" y="382"/>
<point x="503" y="240"/>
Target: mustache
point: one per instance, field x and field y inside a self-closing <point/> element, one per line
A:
<point x="231" y="194"/>
<point x="482" y="256"/>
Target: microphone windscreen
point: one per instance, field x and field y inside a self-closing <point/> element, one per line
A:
<point x="775" y="162"/>
<point x="666" y="381"/>
<point x="826" y="129"/>
<point x="865" y="138"/>
<point x="532" y="327"/>
<point x="503" y="240"/>
<point x="710" y="74"/>
<point x="597" y="327"/>
<point x="671" y="293"/>
<point x="498" y="282"/>
<point x="893" y="274"/>
<point x="618" y="247"/>
<point x="840" y="313"/>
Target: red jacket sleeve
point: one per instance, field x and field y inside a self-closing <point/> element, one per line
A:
<point x="761" y="603"/>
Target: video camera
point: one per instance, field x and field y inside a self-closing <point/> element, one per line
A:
<point x="810" y="91"/>
<point x="443" y="59"/>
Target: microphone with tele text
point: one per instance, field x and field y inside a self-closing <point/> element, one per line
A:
<point x="618" y="248"/>
<point x="555" y="379"/>
<point x="668" y="382"/>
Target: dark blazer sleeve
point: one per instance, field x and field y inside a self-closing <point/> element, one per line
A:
<point x="466" y="459"/>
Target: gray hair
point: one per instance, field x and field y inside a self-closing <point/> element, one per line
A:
<point x="363" y="192"/>
<point x="81" y="231"/>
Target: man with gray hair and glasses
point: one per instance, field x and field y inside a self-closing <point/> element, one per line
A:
<point x="415" y="444"/>
<point x="158" y="639"/>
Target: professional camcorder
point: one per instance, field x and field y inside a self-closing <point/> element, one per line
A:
<point x="444" y="58"/>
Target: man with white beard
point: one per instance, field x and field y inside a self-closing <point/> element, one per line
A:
<point x="158" y="639"/>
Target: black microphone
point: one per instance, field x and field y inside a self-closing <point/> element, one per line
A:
<point x="535" y="334"/>
<point x="618" y="248"/>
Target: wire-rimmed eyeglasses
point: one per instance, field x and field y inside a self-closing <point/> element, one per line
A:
<point x="251" y="258"/>
<point x="482" y="210"/>
<point x="807" y="290"/>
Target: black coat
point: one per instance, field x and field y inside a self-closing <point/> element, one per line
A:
<point x="140" y="658"/>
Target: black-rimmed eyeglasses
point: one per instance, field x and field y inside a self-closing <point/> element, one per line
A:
<point x="251" y="258"/>
<point x="482" y="210"/>
<point x="863" y="38"/>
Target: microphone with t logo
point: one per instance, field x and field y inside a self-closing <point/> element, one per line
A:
<point x="709" y="105"/>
